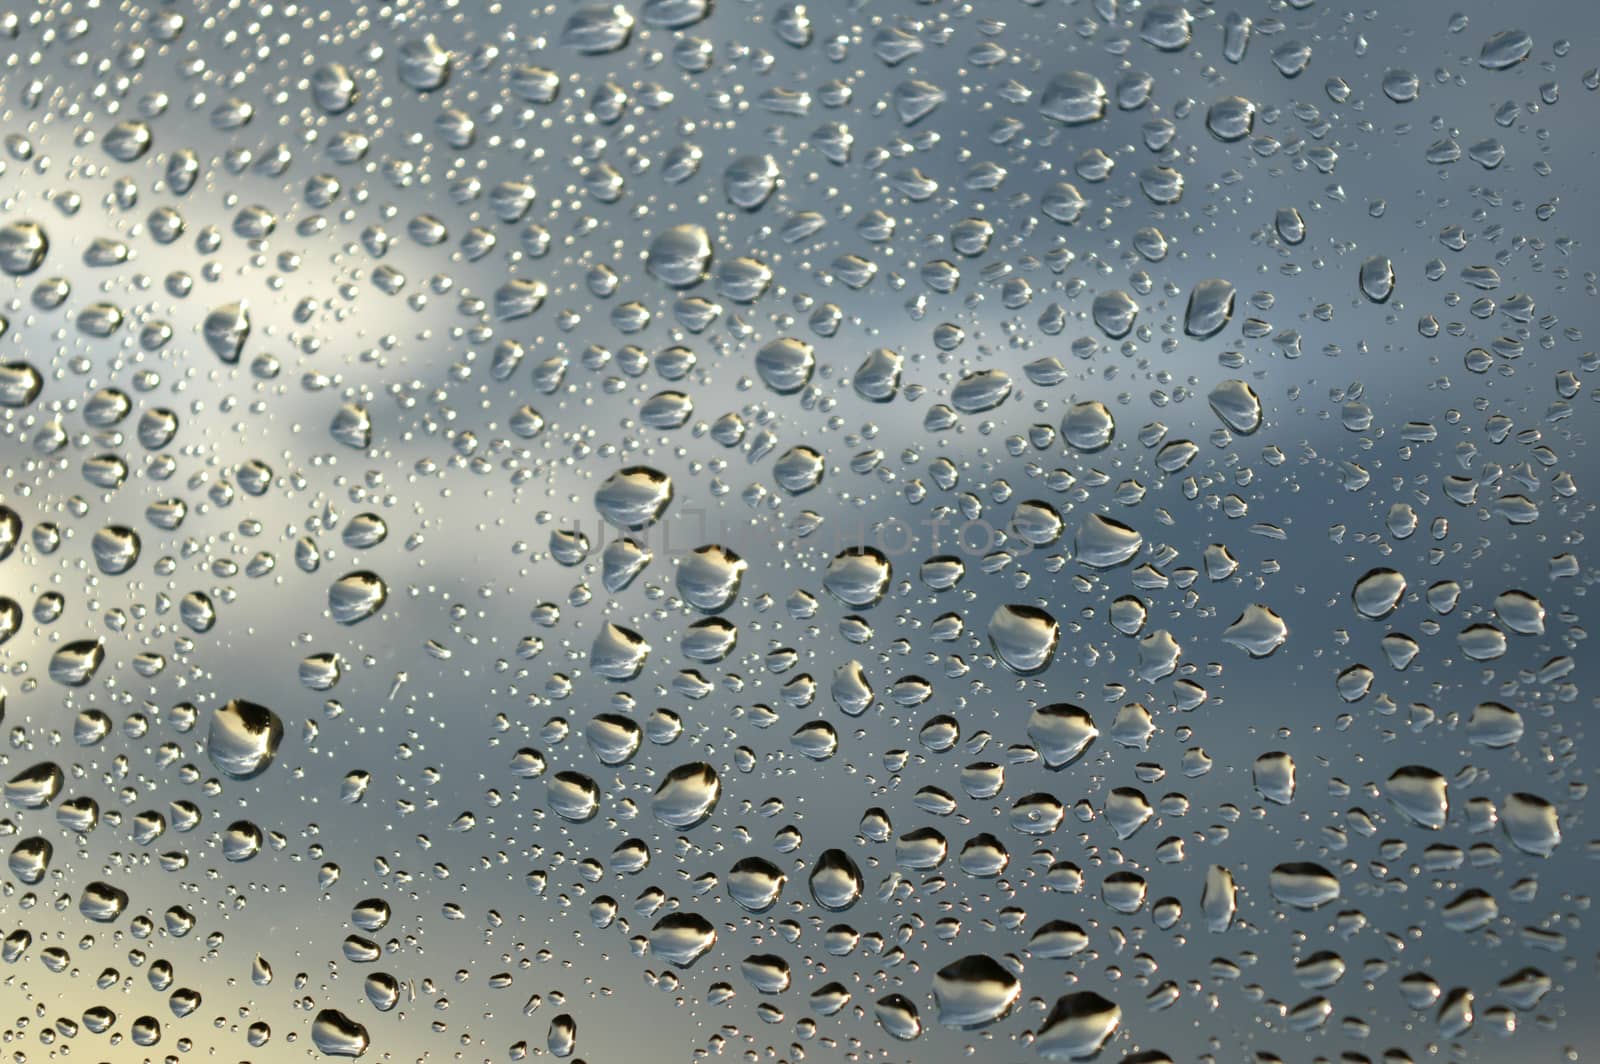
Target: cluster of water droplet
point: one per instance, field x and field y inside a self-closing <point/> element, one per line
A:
<point x="806" y="504"/>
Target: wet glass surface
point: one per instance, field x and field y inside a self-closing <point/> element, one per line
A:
<point x="879" y="532"/>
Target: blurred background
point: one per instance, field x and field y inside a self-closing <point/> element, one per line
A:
<point x="292" y="293"/>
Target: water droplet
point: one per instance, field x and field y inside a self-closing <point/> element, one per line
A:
<point x="243" y="739"/>
<point x="337" y="1035"/>
<point x="356" y="596"/>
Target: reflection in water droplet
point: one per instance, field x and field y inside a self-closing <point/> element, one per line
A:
<point x="975" y="991"/>
<point x="23" y="247"/>
<point x="785" y="365"/>
<point x="337" y="1035"/>
<point x="898" y="1016"/>
<point x="243" y="739"/>
<point x="1238" y="405"/>
<point x="1505" y="49"/>
<point x="1531" y="823"/>
<point x="20" y="384"/>
<point x="1062" y="733"/>
<point x="755" y="883"/>
<point x="1088" y="426"/>
<point x="1377" y="279"/>
<point x="1105" y="543"/>
<point x="835" y="881"/>
<point x="687" y="796"/>
<point x="981" y="391"/>
<point x="356" y="596"/>
<point x="74" y="664"/>
<point x="680" y="257"/>
<point x="1231" y="118"/>
<point x="633" y="498"/>
<point x="226" y="329"/>
<point x="1073" y="98"/>
<point x="1258" y="631"/>
<point x="1078" y="1025"/>
<point x="618" y="653"/>
<point x="30" y="859"/>
<point x="1024" y="637"/>
<point x="573" y="796"/>
<point x="858" y="576"/>
<point x="1210" y="308"/>
<point x="682" y="938"/>
<point x="127" y="141"/>
<point x="424" y="64"/>
<point x="102" y="902"/>
<point x="1303" y="885"/>
<point x="1421" y="794"/>
<point x="598" y="29"/>
<point x="382" y="991"/>
<point x="116" y="549"/>
<point x="35" y="787"/>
